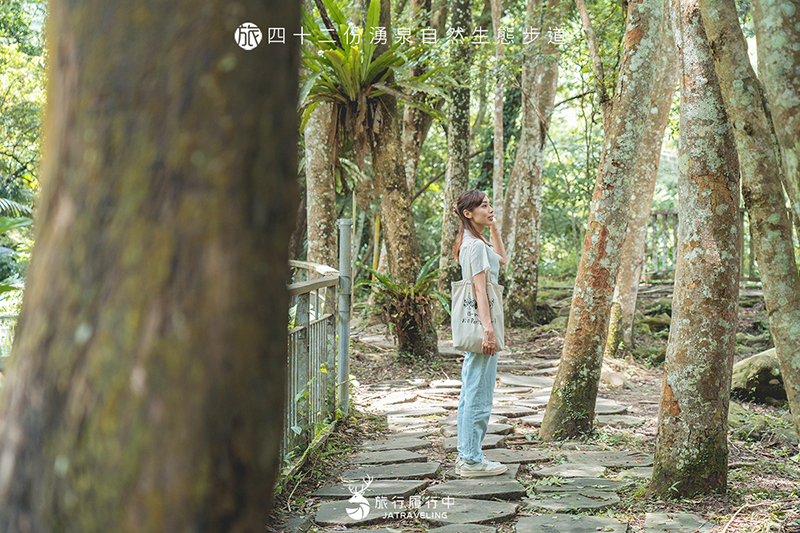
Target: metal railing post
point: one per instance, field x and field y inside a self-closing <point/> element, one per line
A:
<point x="345" y="291"/>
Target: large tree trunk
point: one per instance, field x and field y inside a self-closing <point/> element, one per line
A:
<point x="146" y="389"/>
<point x="497" y="166"/>
<point x="778" y="40"/>
<point x="538" y="97"/>
<point x="457" y="172"/>
<point x="759" y="161"/>
<point x="570" y="411"/>
<point x="691" y="444"/>
<point x="632" y="260"/>
<point x="320" y="189"/>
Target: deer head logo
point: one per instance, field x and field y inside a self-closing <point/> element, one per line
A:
<point x="362" y="505"/>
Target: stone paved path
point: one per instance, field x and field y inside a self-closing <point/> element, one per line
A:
<point x="393" y="480"/>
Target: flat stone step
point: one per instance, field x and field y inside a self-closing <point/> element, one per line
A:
<point x="394" y="471"/>
<point x="570" y="470"/>
<point x="388" y="457"/>
<point x="610" y="459"/>
<point x="569" y="523"/>
<point x="439" y="392"/>
<point x="609" y="409"/>
<point x="464" y="528"/>
<point x="496" y="429"/>
<point x="675" y="523"/>
<point x="484" y="488"/>
<point x="453" y="419"/>
<point x="489" y="442"/>
<point x="345" y="513"/>
<point x="525" y="381"/>
<point x="446" y="384"/>
<point x="533" y="420"/>
<point x="394" y="384"/>
<point x="641" y="472"/>
<point x="497" y="398"/>
<point x="512" y="390"/>
<point x="512" y="411"/>
<point x="397" y="443"/>
<point x="415" y="412"/>
<point x="377" y="488"/>
<point x="395" y="398"/>
<point x="511" y="473"/>
<point x="415" y="433"/>
<point x="619" y="421"/>
<point x="503" y="455"/>
<point x="403" y="423"/>
<point x="574" y="501"/>
<point x="534" y="403"/>
<point x="582" y="483"/>
<point x="467" y="511"/>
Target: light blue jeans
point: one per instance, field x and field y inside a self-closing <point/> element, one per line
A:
<point x="475" y="404"/>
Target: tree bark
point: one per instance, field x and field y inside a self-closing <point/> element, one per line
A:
<point x="146" y="388"/>
<point x="539" y="80"/>
<point x="570" y="411"/>
<point x="597" y="64"/>
<point x="691" y="444"/>
<point x="320" y="189"/>
<point x="497" y="166"/>
<point x="761" y="172"/>
<point x="778" y="41"/>
<point x="631" y="265"/>
<point x="457" y="172"/>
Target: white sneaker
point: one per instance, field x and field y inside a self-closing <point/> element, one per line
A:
<point x="483" y="469"/>
<point x="459" y="462"/>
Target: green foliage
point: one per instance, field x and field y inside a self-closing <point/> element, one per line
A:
<point x="346" y="74"/>
<point x="407" y="309"/>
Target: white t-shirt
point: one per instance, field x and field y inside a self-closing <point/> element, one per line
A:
<point x="481" y="255"/>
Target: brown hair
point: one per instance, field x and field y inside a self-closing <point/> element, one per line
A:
<point x="468" y="201"/>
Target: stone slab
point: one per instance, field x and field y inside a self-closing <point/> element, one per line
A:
<point x="675" y="523"/>
<point x="467" y="511"/>
<point x="574" y="501"/>
<point x="484" y="488"/>
<point x="394" y="384"/>
<point x="497" y="398"/>
<point x="512" y="411"/>
<point x="642" y="472"/>
<point x="418" y="411"/>
<point x="397" y="443"/>
<point x="549" y="371"/>
<point x="533" y="420"/>
<point x="395" y="398"/>
<point x="569" y="523"/>
<point x="336" y="514"/>
<point x="448" y="404"/>
<point x="415" y="433"/>
<point x="582" y="483"/>
<point x="463" y="528"/>
<point x="511" y="473"/>
<point x="505" y="456"/>
<point x="533" y="404"/>
<point x="610" y="409"/>
<point x="489" y="441"/>
<point x="619" y="421"/>
<point x="453" y="419"/>
<point x="388" y="457"/>
<point x="394" y="471"/>
<point x="446" y="384"/>
<point x="610" y="459"/>
<point x="402" y="423"/>
<point x="496" y="429"/>
<point x="570" y="470"/>
<point x="525" y="381"/>
<point x="512" y="390"/>
<point x="388" y="488"/>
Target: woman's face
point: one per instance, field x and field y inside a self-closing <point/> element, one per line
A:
<point x="481" y="216"/>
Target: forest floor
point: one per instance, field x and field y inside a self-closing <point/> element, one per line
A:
<point x="764" y="476"/>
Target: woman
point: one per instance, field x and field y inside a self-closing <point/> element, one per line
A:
<point x="479" y="369"/>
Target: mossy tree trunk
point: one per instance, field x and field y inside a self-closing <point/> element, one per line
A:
<point x="397" y="218"/>
<point x="147" y="378"/>
<point x="570" y="411"/>
<point x="539" y="81"/>
<point x="499" y="55"/>
<point x="320" y="189"/>
<point x="778" y="41"/>
<point x="632" y="260"/>
<point x="761" y="171"/>
<point x="457" y="170"/>
<point x="691" y="444"/>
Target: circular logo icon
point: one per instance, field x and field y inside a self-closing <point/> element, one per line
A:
<point x="247" y="35"/>
<point x="360" y="512"/>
